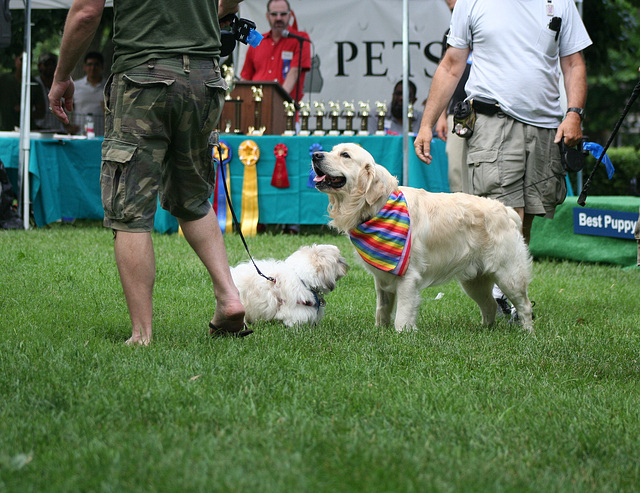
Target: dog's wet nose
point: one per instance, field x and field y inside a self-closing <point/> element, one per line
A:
<point x="317" y="156"/>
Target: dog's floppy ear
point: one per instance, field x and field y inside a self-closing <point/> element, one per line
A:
<point x="371" y="184"/>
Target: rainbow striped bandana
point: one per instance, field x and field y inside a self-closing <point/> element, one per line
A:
<point x="384" y="241"/>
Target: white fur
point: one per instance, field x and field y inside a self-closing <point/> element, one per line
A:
<point x="316" y="267"/>
<point x="453" y="235"/>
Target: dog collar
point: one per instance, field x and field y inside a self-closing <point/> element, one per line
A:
<point x="384" y="241"/>
<point x="317" y="296"/>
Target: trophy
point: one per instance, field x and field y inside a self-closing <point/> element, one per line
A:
<point x="257" y="129"/>
<point x="349" y="113"/>
<point x="290" y="110"/>
<point x="334" y="114"/>
<point x="381" y="112"/>
<point x="238" y="107"/>
<point x="305" y="112"/>
<point x="364" y="117"/>
<point x="319" y="106"/>
<point x="228" y="74"/>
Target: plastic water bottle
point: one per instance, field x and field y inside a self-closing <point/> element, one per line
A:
<point x="89" y="128"/>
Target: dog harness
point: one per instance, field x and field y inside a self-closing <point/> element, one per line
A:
<point x="317" y="296"/>
<point x="384" y="241"/>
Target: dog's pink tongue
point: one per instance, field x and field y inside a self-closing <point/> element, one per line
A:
<point x="319" y="178"/>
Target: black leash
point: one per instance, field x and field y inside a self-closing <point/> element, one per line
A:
<point x="634" y="95"/>
<point x="214" y="141"/>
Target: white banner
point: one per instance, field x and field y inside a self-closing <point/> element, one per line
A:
<point x="358" y="45"/>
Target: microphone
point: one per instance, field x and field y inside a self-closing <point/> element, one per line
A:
<point x="287" y="34"/>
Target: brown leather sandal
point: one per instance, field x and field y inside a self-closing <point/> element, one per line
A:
<point x="216" y="332"/>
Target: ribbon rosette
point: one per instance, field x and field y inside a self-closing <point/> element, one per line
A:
<point x="249" y="153"/>
<point x="220" y="203"/>
<point x="317" y="147"/>
<point x="280" y="178"/>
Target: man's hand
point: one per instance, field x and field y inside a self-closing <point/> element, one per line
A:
<point x="570" y="129"/>
<point x="422" y="144"/>
<point x="226" y="7"/>
<point x="61" y="90"/>
<point x="441" y="126"/>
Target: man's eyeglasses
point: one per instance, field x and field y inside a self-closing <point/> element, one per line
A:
<point x="279" y="14"/>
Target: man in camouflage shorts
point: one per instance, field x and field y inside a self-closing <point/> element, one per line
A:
<point x="161" y="104"/>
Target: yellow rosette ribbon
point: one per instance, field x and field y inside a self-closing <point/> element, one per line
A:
<point x="249" y="153"/>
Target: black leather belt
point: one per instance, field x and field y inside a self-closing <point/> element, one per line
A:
<point x="486" y="108"/>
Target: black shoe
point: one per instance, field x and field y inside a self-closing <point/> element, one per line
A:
<point x="504" y="308"/>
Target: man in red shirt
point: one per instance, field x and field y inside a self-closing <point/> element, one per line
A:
<point x="278" y="57"/>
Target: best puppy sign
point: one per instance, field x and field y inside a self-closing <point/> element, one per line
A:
<point x="599" y="222"/>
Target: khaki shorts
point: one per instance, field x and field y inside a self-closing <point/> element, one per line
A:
<point x="158" y="118"/>
<point x="517" y="164"/>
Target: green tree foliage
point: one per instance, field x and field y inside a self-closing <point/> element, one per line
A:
<point x="612" y="63"/>
<point x="46" y="31"/>
<point x="46" y="34"/>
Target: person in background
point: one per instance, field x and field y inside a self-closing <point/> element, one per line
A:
<point x="88" y="96"/>
<point x="47" y="63"/>
<point x="456" y="146"/>
<point x="278" y="57"/>
<point x="10" y="95"/>
<point x="514" y="84"/>
<point x="152" y="149"/>
<point x="393" y="119"/>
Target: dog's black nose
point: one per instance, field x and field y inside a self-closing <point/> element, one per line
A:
<point x="317" y="156"/>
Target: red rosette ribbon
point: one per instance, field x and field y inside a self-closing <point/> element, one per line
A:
<point x="280" y="178"/>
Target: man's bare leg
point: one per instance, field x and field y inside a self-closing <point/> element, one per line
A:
<point x="205" y="238"/>
<point x="137" y="267"/>
<point x="527" y="222"/>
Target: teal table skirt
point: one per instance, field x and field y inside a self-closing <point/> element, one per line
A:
<point x="301" y="203"/>
<point x="65" y="176"/>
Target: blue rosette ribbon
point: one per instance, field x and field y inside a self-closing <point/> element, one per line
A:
<point x="219" y="197"/>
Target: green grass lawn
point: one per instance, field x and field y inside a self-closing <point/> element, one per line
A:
<point x="346" y="406"/>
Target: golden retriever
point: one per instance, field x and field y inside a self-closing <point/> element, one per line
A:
<point x="475" y="240"/>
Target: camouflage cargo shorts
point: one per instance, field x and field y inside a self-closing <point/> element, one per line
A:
<point x="158" y="118"/>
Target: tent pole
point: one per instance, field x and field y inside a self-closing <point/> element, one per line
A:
<point x="25" y="117"/>
<point x="405" y="92"/>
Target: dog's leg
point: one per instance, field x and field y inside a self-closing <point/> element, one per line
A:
<point x="409" y="300"/>
<point x="479" y="290"/>
<point x="514" y="280"/>
<point x="385" y="301"/>
<point x="518" y="297"/>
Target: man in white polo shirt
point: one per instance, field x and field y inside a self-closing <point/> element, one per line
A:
<point x="519" y="49"/>
<point x="88" y="97"/>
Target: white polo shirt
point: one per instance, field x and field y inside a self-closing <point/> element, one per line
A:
<point x="87" y="98"/>
<point x="516" y="54"/>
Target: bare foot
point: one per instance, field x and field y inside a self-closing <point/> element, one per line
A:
<point x="230" y="317"/>
<point x="137" y="341"/>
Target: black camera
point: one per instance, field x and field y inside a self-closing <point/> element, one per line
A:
<point x="242" y="30"/>
<point x="464" y="119"/>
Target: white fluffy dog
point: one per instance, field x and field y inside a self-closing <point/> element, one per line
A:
<point x="296" y="296"/>
<point x="452" y="235"/>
